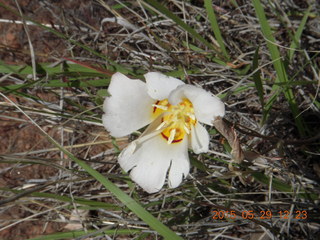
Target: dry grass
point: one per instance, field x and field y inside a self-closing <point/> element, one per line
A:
<point x="280" y="175"/>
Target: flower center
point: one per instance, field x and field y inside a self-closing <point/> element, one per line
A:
<point x="176" y="120"/>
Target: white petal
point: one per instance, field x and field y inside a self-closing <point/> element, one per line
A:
<point x="199" y="139"/>
<point x="150" y="160"/>
<point x="179" y="168"/>
<point x="126" y="161"/>
<point x="159" y="85"/>
<point x="206" y="106"/>
<point x="129" y="107"/>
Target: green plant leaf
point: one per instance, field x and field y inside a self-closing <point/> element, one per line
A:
<point x="215" y="27"/>
<point x="295" y="41"/>
<point x="256" y="77"/>
<point x="279" y="67"/>
<point x="163" y="10"/>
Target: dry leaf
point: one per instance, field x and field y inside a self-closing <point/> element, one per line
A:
<point x="77" y="216"/>
<point x="232" y="138"/>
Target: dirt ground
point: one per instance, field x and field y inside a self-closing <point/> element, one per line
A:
<point x="15" y="136"/>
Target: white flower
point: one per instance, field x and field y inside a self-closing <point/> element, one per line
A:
<point x="174" y="111"/>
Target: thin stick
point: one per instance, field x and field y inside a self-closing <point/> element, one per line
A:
<point x="33" y="56"/>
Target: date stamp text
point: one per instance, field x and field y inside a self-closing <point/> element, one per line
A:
<point x="262" y="215"/>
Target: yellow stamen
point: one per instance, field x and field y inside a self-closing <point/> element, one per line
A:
<point x="176" y="121"/>
<point x="165" y="108"/>
<point x="172" y="135"/>
<point x="161" y="125"/>
<point x="185" y="127"/>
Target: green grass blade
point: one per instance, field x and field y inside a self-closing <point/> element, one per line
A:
<point x="256" y="77"/>
<point x="282" y="186"/>
<point x="126" y="200"/>
<point x="82" y="201"/>
<point x="78" y="234"/>
<point x="215" y="27"/>
<point x="76" y="76"/>
<point x="209" y="56"/>
<point x="47" y="69"/>
<point x="129" y="202"/>
<point x="166" y="12"/>
<point x="112" y="66"/>
<point x="279" y="67"/>
<point x="295" y="41"/>
<point x="268" y="105"/>
<point x="74" y="82"/>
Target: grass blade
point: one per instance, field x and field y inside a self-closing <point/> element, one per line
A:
<point x="215" y="27"/>
<point x="113" y="66"/>
<point x="80" y="234"/>
<point x="279" y="67"/>
<point x="82" y="201"/>
<point x="129" y="202"/>
<point x="126" y="200"/>
<point x="282" y="186"/>
<point x="166" y="12"/>
<point x="257" y="78"/>
<point x="297" y="35"/>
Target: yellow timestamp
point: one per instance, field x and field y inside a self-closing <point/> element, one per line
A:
<point x="263" y="214"/>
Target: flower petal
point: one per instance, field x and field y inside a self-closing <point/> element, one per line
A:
<point x="206" y="106"/>
<point x="179" y="168"/>
<point x="159" y="85"/>
<point x="129" y="107"/>
<point x="150" y="160"/>
<point x="199" y="139"/>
